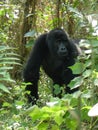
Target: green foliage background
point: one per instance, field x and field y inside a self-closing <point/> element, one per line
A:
<point x="20" y="23"/>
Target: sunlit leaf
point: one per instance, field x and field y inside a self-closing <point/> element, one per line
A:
<point x="30" y="34"/>
<point x="87" y="73"/>
<point x="96" y="82"/>
<point x="93" y="111"/>
<point x="43" y="126"/>
<point x="52" y="103"/>
<point x="77" y="68"/>
<point x="59" y="117"/>
<point x="4" y="88"/>
<point x="5" y="68"/>
<point x="87" y="94"/>
<point x="76" y="82"/>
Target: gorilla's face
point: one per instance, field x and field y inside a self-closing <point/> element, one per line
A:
<point x="58" y="43"/>
<point x="61" y="47"/>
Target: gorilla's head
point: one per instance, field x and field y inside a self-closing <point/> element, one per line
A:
<point x="60" y="45"/>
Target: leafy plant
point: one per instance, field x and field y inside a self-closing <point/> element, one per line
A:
<point x="7" y="60"/>
<point x="71" y="111"/>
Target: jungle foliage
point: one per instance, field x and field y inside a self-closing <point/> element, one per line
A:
<point x="21" y="21"/>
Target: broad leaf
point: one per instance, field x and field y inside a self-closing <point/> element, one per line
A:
<point x="4" y="88"/>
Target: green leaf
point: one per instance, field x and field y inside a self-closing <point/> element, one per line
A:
<point x="77" y="68"/>
<point x="2" y="48"/>
<point x="4" y="88"/>
<point x="55" y="127"/>
<point x="87" y="73"/>
<point x="94" y="43"/>
<point x="50" y="104"/>
<point x="59" y="117"/>
<point x="96" y="82"/>
<point x="10" y="63"/>
<point x="76" y="82"/>
<point x="74" y="10"/>
<point x="30" y="34"/>
<point x="57" y="89"/>
<point x="34" y="112"/>
<point x="29" y="110"/>
<point x="30" y="43"/>
<point x="10" y="59"/>
<point x="43" y="125"/>
<point x="5" y="68"/>
<point x="87" y="94"/>
<point x="6" y="104"/>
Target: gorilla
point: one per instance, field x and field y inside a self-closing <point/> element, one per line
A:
<point x="55" y="52"/>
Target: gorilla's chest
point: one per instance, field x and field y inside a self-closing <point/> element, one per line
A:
<point x="52" y="65"/>
<point x="56" y="66"/>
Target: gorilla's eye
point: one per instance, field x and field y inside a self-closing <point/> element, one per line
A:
<point x="66" y="42"/>
<point x="58" y="41"/>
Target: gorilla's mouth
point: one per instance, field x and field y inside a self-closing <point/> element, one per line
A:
<point x="63" y="54"/>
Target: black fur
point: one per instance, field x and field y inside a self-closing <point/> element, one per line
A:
<point x="55" y="52"/>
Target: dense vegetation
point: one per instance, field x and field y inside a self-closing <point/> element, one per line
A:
<point x="21" y="21"/>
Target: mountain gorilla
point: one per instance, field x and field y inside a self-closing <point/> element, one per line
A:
<point x="55" y="52"/>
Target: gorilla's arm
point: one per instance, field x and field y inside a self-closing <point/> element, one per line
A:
<point x="31" y="71"/>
